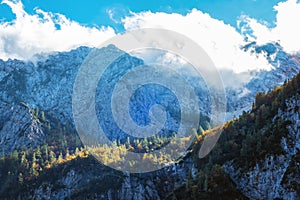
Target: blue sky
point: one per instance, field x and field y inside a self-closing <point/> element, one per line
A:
<point x="94" y="12"/>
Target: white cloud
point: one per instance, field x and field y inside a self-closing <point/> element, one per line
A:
<point x="286" y="30"/>
<point x="222" y="42"/>
<point x="45" y="32"/>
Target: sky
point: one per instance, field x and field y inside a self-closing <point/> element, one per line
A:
<point x="95" y="12"/>
<point x="29" y="27"/>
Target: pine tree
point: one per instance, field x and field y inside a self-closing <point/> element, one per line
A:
<point x="189" y="179"/>
<point x="52" y="157"/>
<point x="76" y="151"/>
<point x="24" y="160"/>
<point x="201" y="130"/>
<point x="128" y="141"/>
<point x="207" y="125"/>
<point x="33" y="170"/>
<point x="43" y="116"/>
<point x="45" y="151"/>
<point x="195" y="134"/>
<point x="33" y="158"/>
<point x="144" y="156"/>
<point x="38" y="153"/>
<point x="15" y="155"/>
<point x="67" y="153"/>
<point x="205" y="184"/>
<point x="20" y="179"/>
<point x="60" y="158"/>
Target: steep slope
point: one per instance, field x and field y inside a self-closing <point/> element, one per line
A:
<point x="36" y="120"/>
<point x="48" y="83"/>
<point x="285" y="67"/>
<point x="20" y="129"/>
<point x="259" y="152"/>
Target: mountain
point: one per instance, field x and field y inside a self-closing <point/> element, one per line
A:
<point x="285" y="66"/>
<point x="258" y="153"/>
<point x="42" y="156"/>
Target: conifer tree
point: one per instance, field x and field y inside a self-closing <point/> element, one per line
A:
<point x="52" y="157"/>
<point x="20" y="179"/>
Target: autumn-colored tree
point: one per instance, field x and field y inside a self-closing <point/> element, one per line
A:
<point x="52" y="157"/>
<point x="60" y="158"/>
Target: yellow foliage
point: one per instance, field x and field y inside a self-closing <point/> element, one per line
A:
<point x="144" y="156"/>
<point x="139" y="146"/>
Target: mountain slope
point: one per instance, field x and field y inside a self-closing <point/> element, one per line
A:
<point x="42" y="156"/>
<point x="285" y="67"/>
<point x="259" y="151"/>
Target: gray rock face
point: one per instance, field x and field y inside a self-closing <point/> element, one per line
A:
<point x="48" y="84"/>
<point x="285" y="67"/>
<point x="154" y="185"/>
<point x="20" y="129"/>
<point x="68" y="185"/>
<point x="271" y="178"/>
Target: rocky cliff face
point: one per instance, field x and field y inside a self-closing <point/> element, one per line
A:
<point x="271" y="178"/>
<point x="285" y="67"/>
<point x="48" y="83"/>
<point x="154" y="185"/>
<point x="20" y="129"/>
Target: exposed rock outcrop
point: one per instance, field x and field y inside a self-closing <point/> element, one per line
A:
<point x="270" y="178"/>
<point x="20" y="129"/>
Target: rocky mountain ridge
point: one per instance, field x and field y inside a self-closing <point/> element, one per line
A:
<point x="269" y="178"/>
<point x="285" y="67"/>
<point x="47" y="86"/>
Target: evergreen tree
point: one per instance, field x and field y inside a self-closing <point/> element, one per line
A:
<point x="76" y="151"/>
<point x="52" y="157"/>
<point x="33" y="167"/>
<point x="201" y="130"/>
<point x="67" y="153"/>
<point x="38" y="153"/>
<point x="189" y="182"/>
<point x="60" y="158"/>
<point x="15" y="155"/>
<point x="43" y="116"/>
<point x="45" y="151"/>
<point x="20" y="179"/>
<point x="24" y="161"/>
<point x="33" y="158"/>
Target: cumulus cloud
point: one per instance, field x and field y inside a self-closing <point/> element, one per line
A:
<point x="222" y="42"/>
<point x="45" y="32"/>
<point x="286" y="30"/>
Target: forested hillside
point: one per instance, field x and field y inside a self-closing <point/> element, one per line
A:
<point x="263" y="143"/>
<point x="252" y="146"/>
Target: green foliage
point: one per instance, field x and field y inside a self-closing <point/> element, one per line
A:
<point x="211" y="183"/>
<point x="291" y="178"/>
<point x="247" y="140"/>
